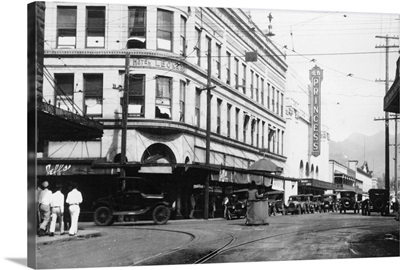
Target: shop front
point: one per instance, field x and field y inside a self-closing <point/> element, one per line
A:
<point x="314" y="186"/>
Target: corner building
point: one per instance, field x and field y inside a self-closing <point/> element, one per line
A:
<point x="85" y="65"/>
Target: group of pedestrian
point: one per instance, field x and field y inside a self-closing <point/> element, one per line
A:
<point x="51" y="208"/>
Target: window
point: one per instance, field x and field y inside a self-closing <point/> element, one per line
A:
<point x="244" y="79"/>
<point x="183" y="36"/>
<point x="164" y="30"/>
<point x="253" y="128"/>
<point x="93" y="94"/>
<point x="246" y="120"/>
<point x="137" y="28"/>
<point x="251" y="84"/>
<point x="136" y="95"/>
<point x="273" y="99"/>
<point x="258" y="134"/>
<point x="182" y="98"/>
<point x="66" y="27"/>
<point x="228" y="120"/>
<point x="278" y="138"/>
<point x="197" y="107"/>
<point x="95" y="27"/>
<point x="218" y="61"/>
<point x="237" y="124"/>
<point x="163" y="97"/>
<point x="198" y="46"/>
<point x="228" y="68"/>
<point x="64" y="90"/>
<point x="269" y="94"/>
<point x="282" y="104"/>
<point x="262" y="91"/>
<point x="236" y="73"/>
<point x="283" y="133"/>
<point x="257" y="87"/>
<point x="277" y="101"/>
<point x="263" y="134"/>
<point x="219" y="104"/>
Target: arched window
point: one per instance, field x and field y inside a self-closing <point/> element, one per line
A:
<point x="301" y="169"/>
<point x="316" y="172"/>
<point x="312" y="171"/>
<point x="158" y="153"/>
<point x="307" y="170"/>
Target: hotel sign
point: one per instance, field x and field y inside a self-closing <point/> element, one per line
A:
<point x="316" y="77"/>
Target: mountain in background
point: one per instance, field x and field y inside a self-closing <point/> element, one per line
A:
<point x="363" y="148"/>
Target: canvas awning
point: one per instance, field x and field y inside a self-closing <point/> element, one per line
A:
<point x="265" y="165"/>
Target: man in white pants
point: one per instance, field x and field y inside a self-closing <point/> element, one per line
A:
<point x="57" y="210"/>
<point x="74" y="198"/>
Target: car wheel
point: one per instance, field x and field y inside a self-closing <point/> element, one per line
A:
<point x="161" y="214"/>
<point x="103" y="216"/>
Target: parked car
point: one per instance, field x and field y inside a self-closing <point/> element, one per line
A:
<point x="348" y="201"/>
<point x="275" y="202"/>
<point x="330" y="202"/>
<point x="237" y="205"/>
<point x="379" y="201"/>
<point x="138" y="200"/>
<point x="295" y="205"/>
<point x="318" y="203"/>
<point x="308" y="201"/>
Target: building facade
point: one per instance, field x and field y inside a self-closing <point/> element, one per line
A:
<point x="312" y="171"/>
<point x="89" y="50"/>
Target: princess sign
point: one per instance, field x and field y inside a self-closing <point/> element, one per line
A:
<point x="316" y="78"/>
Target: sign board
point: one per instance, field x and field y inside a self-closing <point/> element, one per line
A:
<point x="316" y="77"/>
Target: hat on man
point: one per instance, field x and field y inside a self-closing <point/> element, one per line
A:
<point x="45" y="184"/>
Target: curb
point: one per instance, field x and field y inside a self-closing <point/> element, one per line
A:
<point x="47" y="240"/>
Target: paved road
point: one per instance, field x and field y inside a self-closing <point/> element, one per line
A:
<point x="299" y="237"/>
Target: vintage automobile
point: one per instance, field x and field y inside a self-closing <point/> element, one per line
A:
<point x="295" y="205"/>
<point x="308" y="201"/>
<point x="318" y="203"/>
<point x="378" y="201"/>
<point x="364" y="204"/>
<point x="275" y="202"/>
<point x="237" y="205"/>
<point x="330" y="202"/>
<point x="348" y="201"/>
<point x="135" y="199"/>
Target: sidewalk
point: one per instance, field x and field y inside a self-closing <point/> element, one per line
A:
<point x="82" y="233"/>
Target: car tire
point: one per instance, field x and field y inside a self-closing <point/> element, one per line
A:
<point x="161" y="214"/>
<point x="103" y="216"/>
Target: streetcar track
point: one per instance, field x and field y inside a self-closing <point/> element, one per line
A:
<point x="222" y="250"/>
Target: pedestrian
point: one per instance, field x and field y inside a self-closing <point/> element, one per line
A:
<point x="212" y="206"/>
<point x="57" y="210"/>
<point x="74" y="198"/>
<point x="225" y="204"/>
<point x="253" y="194"/>
<point x="193" y="205"/>
<point x="38" y="218"/>
<point x="44" y="208"/>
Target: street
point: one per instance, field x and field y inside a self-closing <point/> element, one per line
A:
<point x="290" y="237"/>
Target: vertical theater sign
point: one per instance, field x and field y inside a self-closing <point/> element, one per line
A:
<point x="316" y="78"/>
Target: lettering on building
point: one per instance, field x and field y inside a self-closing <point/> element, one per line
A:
<point x="157" y="63"/>
<point x="58" y="169"/>
<point x="316" y="76"/>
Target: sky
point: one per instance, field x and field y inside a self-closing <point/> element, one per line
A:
<point x="13" y="103"/>
<point x="343" y="44"/>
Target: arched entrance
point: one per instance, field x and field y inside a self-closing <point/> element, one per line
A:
<point x="158" y="153"/>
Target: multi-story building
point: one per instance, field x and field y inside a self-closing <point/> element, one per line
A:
<point x="89" y="48"/>
<point x="311" y="170"/>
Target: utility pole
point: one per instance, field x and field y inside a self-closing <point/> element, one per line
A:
<point x="124" y="117"/>
<point x="387" y="47"/>
<point x="395" y="156"/>
<point x="208" y="135"/>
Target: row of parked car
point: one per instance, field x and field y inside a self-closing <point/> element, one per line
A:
<point x="377" y="200"/>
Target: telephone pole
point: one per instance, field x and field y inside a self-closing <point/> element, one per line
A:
<point x="387" y="161"/>
<point x="208" y="135"/>
<point x="124" y="117"/>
